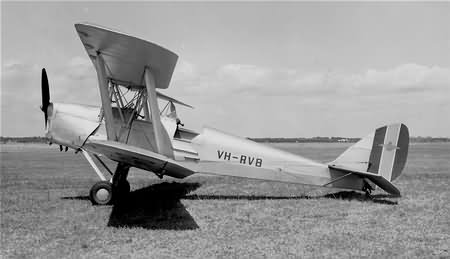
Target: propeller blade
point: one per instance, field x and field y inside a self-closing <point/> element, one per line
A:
<point x="45" y="94"/>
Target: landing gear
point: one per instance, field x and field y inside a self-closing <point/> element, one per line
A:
<point x="121" y="186"/>
<point x="106" y="192"/>
<point x="101" y="193"/>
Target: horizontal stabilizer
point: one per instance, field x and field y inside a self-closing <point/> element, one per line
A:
<point x="375" y="178"/>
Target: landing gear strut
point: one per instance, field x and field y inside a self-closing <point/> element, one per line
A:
<point x="120" y="185"/>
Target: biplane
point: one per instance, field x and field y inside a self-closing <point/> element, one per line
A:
<point x="131" y="129"/>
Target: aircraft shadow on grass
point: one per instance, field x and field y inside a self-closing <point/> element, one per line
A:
<point x="159" y="206"/>
<point x="343" y="195"/>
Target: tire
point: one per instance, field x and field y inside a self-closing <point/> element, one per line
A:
<point x="101" y="193"/>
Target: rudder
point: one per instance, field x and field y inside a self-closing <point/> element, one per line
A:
<point x="389" y="151"/>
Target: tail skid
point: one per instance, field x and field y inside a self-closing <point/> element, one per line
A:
<point x="379" y="157"/>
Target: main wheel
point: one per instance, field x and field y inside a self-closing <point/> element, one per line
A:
<point x="101" y="193"/>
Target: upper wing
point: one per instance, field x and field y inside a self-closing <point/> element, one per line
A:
<point x="126" y="57"/>
<point x="137" y="157"/>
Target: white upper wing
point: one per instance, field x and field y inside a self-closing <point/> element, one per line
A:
<point x="126" y="56"/>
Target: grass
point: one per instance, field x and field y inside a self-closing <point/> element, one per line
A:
<point x="45" y="212"/>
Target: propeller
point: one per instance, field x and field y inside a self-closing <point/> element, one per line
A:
<point x="45" y="95"/>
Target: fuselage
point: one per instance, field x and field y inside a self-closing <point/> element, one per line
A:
<point x="209" y="151"/>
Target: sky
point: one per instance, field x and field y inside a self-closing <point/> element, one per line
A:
<point x="254" y="69"/>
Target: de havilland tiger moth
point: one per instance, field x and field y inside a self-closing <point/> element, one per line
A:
<point x="134" y="132"/>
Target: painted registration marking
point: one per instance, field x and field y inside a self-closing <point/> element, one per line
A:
<point x="242" y="159"/>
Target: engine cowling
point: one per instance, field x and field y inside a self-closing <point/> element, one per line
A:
<point x="71" y="124"/>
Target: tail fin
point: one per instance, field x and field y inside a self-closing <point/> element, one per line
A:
<point x="389" y="151"/>
<point x="381" y="154"/>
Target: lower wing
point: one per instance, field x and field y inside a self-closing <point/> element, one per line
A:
<point x="138" y="157"/>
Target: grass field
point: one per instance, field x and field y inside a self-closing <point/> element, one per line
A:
<point x="45" y="212"/>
